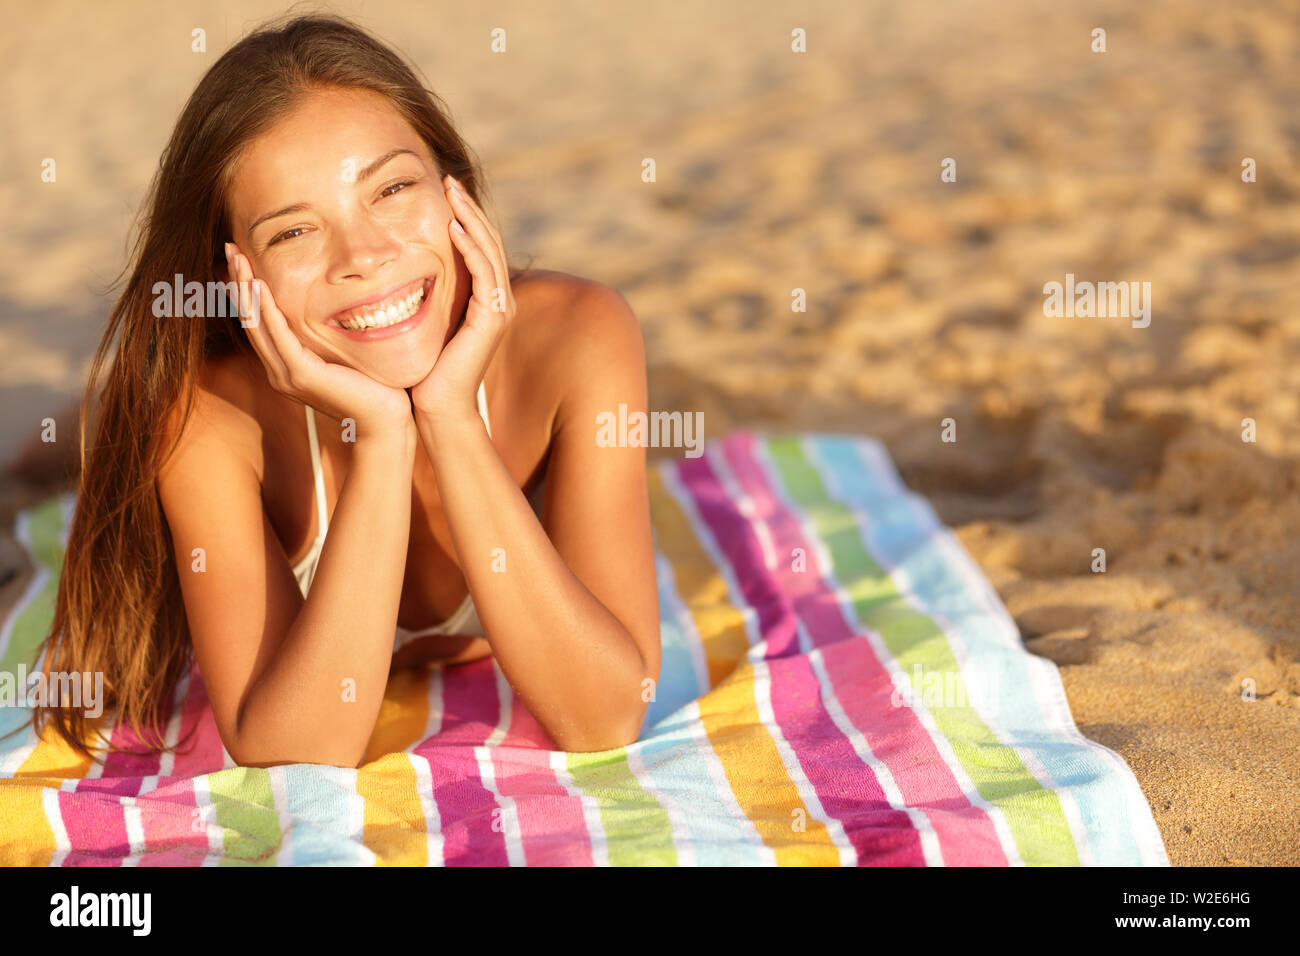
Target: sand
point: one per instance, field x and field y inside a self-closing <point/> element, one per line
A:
<point x="821" y="171"/>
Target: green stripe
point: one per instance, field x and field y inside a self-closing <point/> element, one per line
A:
<point x="1033" y="814"/>
<point x="45" y="531"/>
<point x="245" y="808"/>
<point x="637" y="829"/>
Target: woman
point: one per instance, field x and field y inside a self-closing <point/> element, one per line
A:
<point x="298" y="493"/>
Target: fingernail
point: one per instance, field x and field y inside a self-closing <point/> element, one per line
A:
<point x="455" y="224"/>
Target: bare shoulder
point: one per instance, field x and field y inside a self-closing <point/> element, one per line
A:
<point x="224" y="418"/>
<point x="570" y="321"/>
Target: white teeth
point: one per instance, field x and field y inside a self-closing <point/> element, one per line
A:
<point x="398" y="312"/>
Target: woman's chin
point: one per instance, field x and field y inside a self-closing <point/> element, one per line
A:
<point x="401" y="375"/>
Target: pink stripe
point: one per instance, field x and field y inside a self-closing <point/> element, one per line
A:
<point x="97" y="826"/>
<point x="470" y="714"/>
<point x="167" y="816"/>
<point x="167" y="811"/>
<point x="202" y="753"/>
<point x="881" y="834"/>
<point x="966" y="834"/>
<point x="93" y="819"/>
<point x="552" y="827"/>
<point x="821" y="748"/>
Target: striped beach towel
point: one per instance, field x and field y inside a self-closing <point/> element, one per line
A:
<point x="840" y="686"/>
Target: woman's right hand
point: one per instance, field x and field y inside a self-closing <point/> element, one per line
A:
<point x="296" y="371"/>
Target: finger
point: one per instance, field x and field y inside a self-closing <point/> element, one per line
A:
<point x="249" y="315"/>
<point x="488" y="238"/>
<point x="287" y="345"/>
<point x="476" y="224"/>
<point x="479" y="265"/>
<point x="284" y="354"/>
<point x="467" y="202"/>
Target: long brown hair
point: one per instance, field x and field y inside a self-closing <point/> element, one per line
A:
<point x="119" y="610"/>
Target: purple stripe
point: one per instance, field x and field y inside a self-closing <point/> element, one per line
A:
<point x="862" y="685"/>
<point x="470" y="714"/>
<point x="798" y="709"/>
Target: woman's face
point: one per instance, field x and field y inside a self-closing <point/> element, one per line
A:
<point x="341" y="210"/>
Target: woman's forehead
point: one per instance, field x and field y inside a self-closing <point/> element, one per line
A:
<point x="326" y="138"/>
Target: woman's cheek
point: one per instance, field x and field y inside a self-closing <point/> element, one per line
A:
<point x="426" y="225"/>
<point x="290" y="284"/>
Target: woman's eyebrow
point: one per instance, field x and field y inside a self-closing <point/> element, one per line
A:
<point x="362" y="176"/>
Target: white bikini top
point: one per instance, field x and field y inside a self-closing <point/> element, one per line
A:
<point x="465" y="620"/>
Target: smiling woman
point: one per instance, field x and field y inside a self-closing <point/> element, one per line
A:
<point x="335" y="196"/>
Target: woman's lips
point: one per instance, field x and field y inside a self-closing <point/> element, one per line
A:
<point x="388" y="331"/>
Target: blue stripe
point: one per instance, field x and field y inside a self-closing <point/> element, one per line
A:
<point x="675" y="765"/>
<point x="320" y="801"/>
<point x="900" y="531"/>
<point x="678" y="684"/>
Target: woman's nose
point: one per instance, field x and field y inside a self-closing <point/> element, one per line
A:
<point x="362" y="249"/>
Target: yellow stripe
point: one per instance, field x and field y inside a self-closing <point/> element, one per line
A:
<point x="22" y="807"/>
<point x="394" y="824"/>
<point x="403" y="713"/>
<point x="758" y="777"/>
<point x="394" y="820"/>
<point x="52" y="757"/>
<point x="22" y="804"/>
<point x="701" y="588"/>
<point x="729" y="713"/>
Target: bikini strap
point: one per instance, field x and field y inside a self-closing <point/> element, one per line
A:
<point x="482" y="407"/>
<point x="322" y="522"/>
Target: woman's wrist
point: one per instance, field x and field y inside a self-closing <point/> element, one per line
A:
<point x="389" y="438"/>
<point x="446" y="418"/>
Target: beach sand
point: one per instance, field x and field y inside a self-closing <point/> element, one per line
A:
<point x="821" y="171"/>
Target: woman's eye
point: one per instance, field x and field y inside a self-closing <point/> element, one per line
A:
<point x="287" y="234"/>
<point x="298" y="230"/>
<point x="389" y="190"/>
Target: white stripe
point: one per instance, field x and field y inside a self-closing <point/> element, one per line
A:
<point x="590" y="809"/>
<point x="976" y="586"/>
<point x="914" y="701"/>
<point x="510" y="828"/>
<point x="676" y="813"/>
<point x="686" y="855"/>
<point x="50" y="804"/>
<point x="285" y="819"/>
<point x="920" y="816"/>
<point x="1048" y="691"/>
<point x="695" y="725"/>
<point x="1044" y="676"/>
<point x="691" y="713"/>
<point x="435" y="842"/>
<point x="807" y="793"/>
<point x="167" y="759"/>
<point x="207" y="813"/>
<point x="762" y="676"/>
<point x="134" y="831"/>
<point x="929" y="839"/>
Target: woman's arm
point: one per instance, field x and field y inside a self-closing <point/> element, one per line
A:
<point x="318" y="699"/>
<point x="289" y="681"/>
<point x="573" y="618"/>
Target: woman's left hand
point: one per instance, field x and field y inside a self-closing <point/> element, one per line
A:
<point x="450" y="391"/>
